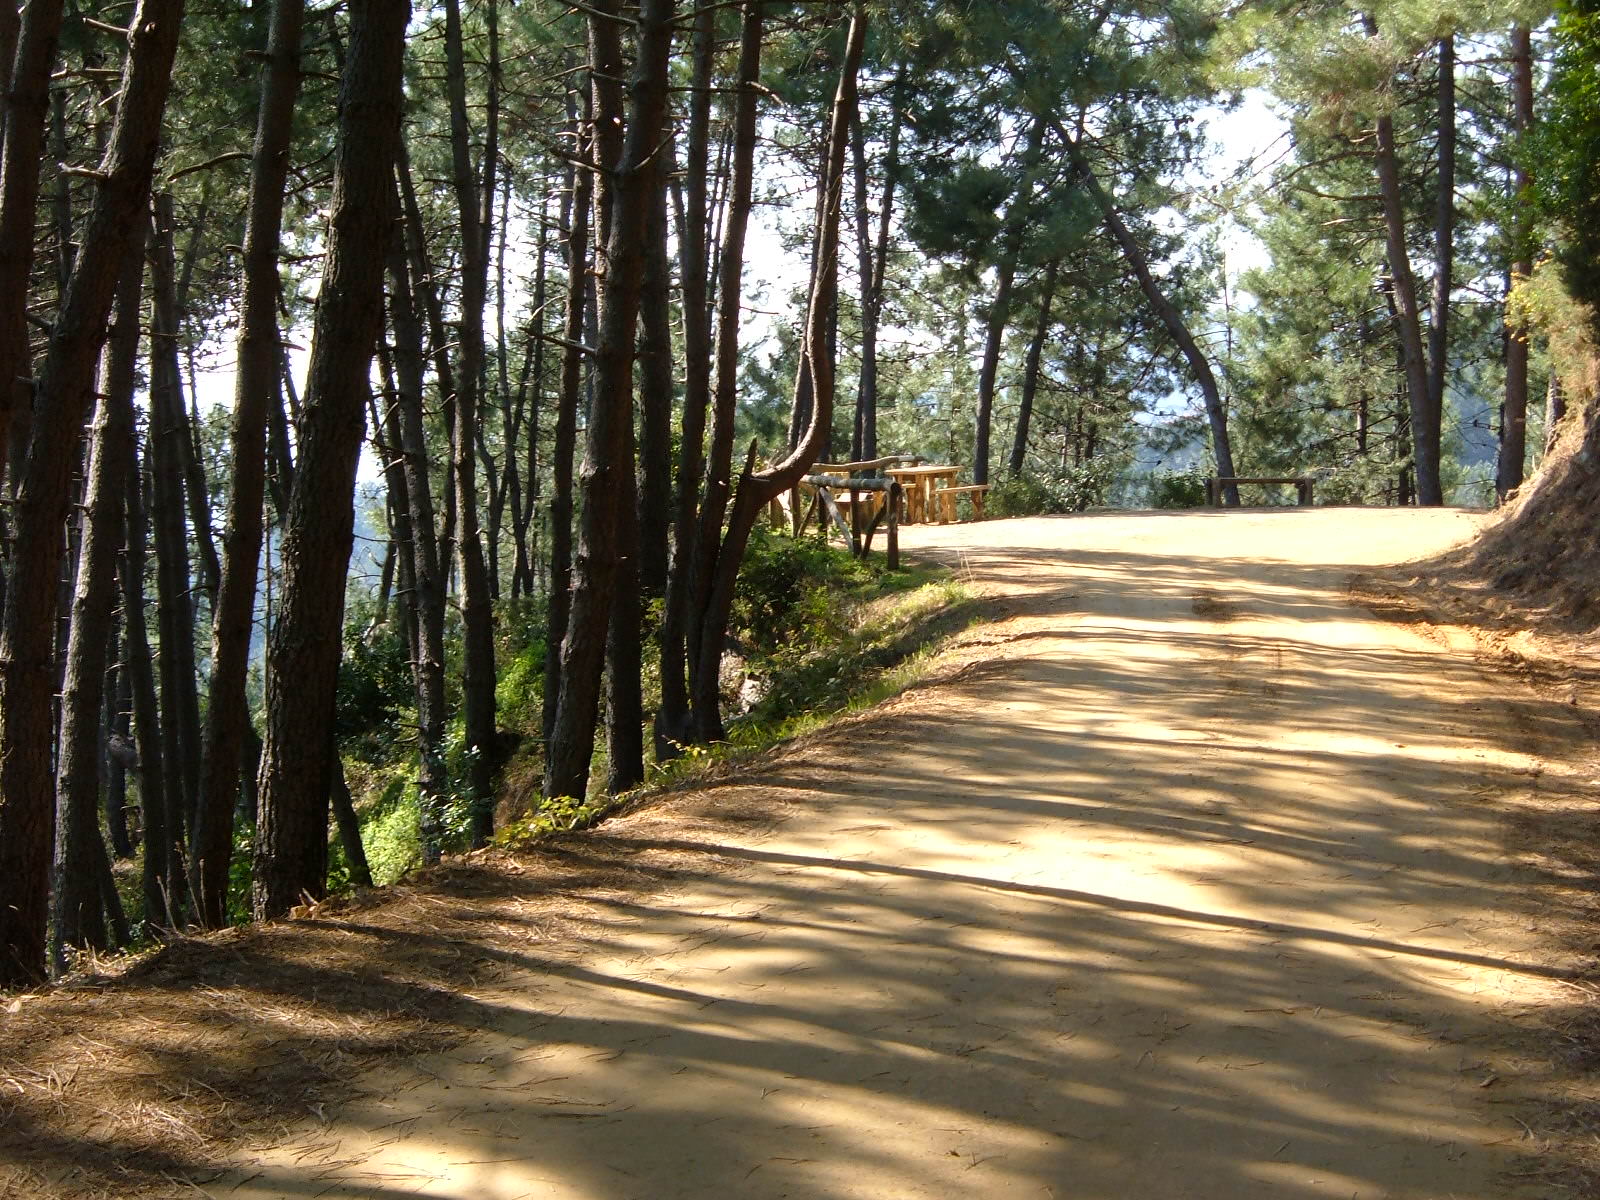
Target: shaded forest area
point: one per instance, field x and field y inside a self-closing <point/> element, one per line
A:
<point x="505" y="254"/>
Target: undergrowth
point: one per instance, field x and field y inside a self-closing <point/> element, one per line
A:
<point x="821" y="635"/>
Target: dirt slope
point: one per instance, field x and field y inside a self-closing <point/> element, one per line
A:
<point x="1189" y="884"/>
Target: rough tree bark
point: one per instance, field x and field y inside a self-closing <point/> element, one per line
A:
<point x="65" y="387"/>
<point x="255" y="395"/>
<point x="303" y="662"/>
<point x="1514" y="417"/>
<point x="26" y="113"/>
<point x="758" y="488"/>
<point x="609" y="451"/>
<point x="474" y="199"/>
<point x="80" y="854"/>
<point x="1030" y="372"/>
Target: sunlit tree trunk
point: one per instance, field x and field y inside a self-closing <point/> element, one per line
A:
<point x="256" y="393"/>
<point x="672" y="717"/>
<point x="1514" y="418"/>
<point x="758" y="488"/>
<point x="474" y="197"/>
<point x="305" y="649"/>
<point x="1030" y="372"/>
<point x="608" y="466"/>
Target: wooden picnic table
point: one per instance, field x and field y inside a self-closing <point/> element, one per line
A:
<point x="919" y="484"/>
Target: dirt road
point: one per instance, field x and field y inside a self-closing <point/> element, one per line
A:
<point x="1189" y="885"/>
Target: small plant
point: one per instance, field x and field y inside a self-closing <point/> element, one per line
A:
<point x="557" y="814"/>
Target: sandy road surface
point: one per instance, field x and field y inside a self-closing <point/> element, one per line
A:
<point x="1190" y="886"/>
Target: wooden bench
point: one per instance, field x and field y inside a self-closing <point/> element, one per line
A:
<point x="1215" y="484"/>
<point x="945" y="500"/>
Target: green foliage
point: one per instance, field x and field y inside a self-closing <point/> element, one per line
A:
<point x="558" y="814"/>
<point x="825" y="676"/>
<point x="790" y="590"/>
<point x="375" y="690"/>
<point x="389" y="830"/>
<point x="519" y="692"/>
<point x="1178" y="489"/>
<point x="1568" y="147"/>
<point x="1076" y="489"/>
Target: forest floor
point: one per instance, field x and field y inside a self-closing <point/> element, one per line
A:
<point x="1191" y="876"/>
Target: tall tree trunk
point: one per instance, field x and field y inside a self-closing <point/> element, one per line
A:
<point x="426" y="566"/>
<point x="672" y="717"/>
<point x="474" y="199"/>
<point x="256" y="392"/>
<point x="175" y="615"/>
<point x="10" y="30"/>
<point x="656" y="387"/>
<point x="577" y="205"/>
<point x="66" y="386"/>
<point x="1444" y="235"/>
<point x="349" y="825"/>
<point x="1514" y="418"/>
<point x="870" y="259"/>
<point x="725" y="396"/>
<point x="303" y="665"/>
<point x="989" y="366"/>
<point x="1030" y="373"/>
<point x="525" y="581"/>
<point x="1424" y="429"/>
<point x="1171" y="318"/>
<point x="608" y="461"/>
<point x="79" y="851"/>
<point x="757" y="489"/>
<point x="161" y="861"/>
<point x="1016" y="220"/>
<point x="26" y="113"/>
<point x="119" y="743"/>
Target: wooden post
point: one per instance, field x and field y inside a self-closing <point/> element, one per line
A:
<point x="896" y="497"/>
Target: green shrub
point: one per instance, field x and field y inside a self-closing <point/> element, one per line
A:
<point x="375" y="689"/>
<point x="519" y="692"/>
<point x="805" y="679"/>
<point x="1075" y="489"/>
<point x="789" y="589"/>
<point x="1019" y="496"/>
<point x="1178" y="489"/>
<point x="389" y="830"/>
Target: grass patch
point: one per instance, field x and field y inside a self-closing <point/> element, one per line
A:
<point x="891" y="639"/>
<point x="821" y="635"/>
